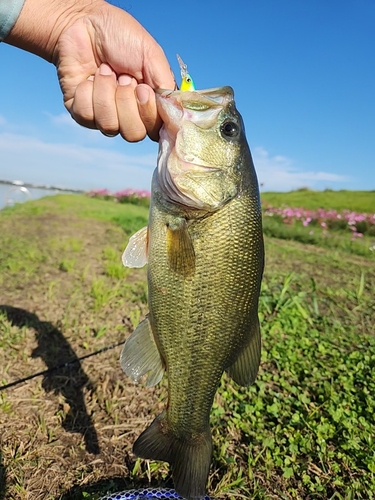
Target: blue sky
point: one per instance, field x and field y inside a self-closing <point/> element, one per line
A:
<point x="303" y="73"/>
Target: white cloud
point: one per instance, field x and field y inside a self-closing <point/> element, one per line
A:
<point x="62" y="119"/>
<point x="61" y="152"/>
<point x="69" y="129"/>
<point x="72" y="165"/>
<point x="277" y="173"/>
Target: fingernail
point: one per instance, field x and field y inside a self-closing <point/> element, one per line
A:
<point x="142" y="94"/>
<point x="105" y="70"/>
<point x="124" y="80"/>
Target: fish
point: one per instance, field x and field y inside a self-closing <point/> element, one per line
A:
<point x="204" y="248"/>
<point x="187" y="83"/>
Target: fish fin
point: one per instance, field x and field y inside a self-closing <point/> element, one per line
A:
<point x="245" y="369"/>
<point x="136" y="252"/>
<point x="190" y="459"/>
<point x="140" y="355"/>
<point x="180" y="249"/>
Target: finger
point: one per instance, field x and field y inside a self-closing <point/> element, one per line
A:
<point x="157" y="71"/>
<point x="104" y="100"/>
<point x="82" y="109"/>
<point x="148" y="111"/>
<point x="131" y="125"/>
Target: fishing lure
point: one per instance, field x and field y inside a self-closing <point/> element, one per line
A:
<point x="187" y="83"/>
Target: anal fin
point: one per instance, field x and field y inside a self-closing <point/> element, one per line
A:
<point x="245" y="369"/>
<point x="140" y="355"/>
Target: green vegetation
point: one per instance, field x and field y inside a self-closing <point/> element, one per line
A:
<point x="340" y="220"/>
<point x="343" y="241"/>
<point x="71" y="205"/>
<point x="359" y="201"/>
<point x="304" y="430"/>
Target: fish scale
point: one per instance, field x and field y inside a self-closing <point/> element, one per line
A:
<point x="205" y="315"/>
<point x="204" y="248"/>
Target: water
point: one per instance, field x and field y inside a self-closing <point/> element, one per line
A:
<point x="9" y="194"/>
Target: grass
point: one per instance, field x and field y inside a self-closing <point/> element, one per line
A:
<point x="324" y="220"/>
<point x="309" y="417"/>
<point x="304" y="430"/>
<point x="358" y="201"/>
<point x="334" y="240"/>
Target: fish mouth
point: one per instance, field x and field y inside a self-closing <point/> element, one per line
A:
<point x="173" y="105"/>
<point x="176" y="105"/>
<point x="216" y="94"/>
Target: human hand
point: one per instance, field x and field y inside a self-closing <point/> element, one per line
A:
<point x="108" y="66"/>
<point x="107" y="63"/>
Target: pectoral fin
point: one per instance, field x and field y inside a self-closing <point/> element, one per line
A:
<point x="140" y="355"/>
<point x="180" y="249"/>
<point x="244" y="370"/>
<point x="136" y="253"/>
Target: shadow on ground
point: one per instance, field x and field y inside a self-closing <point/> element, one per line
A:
<point x="2" y="477"/>
<point x="69" y="380"/>
<point x="98" y="489"/>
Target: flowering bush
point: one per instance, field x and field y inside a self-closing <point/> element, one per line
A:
<point x="134" y="196"/>
<point x="100" y="193"/>
<point x="358" y="224"/>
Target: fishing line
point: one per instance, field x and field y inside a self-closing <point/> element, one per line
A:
<point x="60" y="366"/>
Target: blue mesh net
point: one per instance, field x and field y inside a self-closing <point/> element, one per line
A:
<point x="144" y="494"/>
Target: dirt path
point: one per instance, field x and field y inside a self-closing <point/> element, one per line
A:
<point x="61" y="299"/>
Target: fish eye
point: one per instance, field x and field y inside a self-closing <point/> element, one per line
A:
<point x="188" y="79"/>
<point x="230" y="129"/>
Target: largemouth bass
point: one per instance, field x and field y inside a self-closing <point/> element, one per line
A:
<point x="204" y="248"/>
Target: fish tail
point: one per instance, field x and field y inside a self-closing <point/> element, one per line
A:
<point x="190" y="459"/>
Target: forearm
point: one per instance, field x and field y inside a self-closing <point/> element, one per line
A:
<point x="40" y="23"/>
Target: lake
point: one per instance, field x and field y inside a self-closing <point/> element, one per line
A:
<point x="10" y="194"/>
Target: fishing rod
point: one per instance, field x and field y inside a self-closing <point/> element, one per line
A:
<point x="60" y="366"/>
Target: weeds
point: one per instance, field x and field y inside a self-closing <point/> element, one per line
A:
<point x="324" y="220"/>
<point x="308" y="418"/>
<point x="132" y="196"/>
<point x="304" y="430"/>
<point x="11" y="336"/>
<point x="67" y="265"/>
<point x="102" y="293"/>
<point x="274" y="227"/>
<point x="359" y="201"/>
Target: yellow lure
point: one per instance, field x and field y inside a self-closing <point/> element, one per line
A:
<point x="187" y="83"/>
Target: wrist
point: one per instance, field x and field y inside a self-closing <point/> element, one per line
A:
<point x="41" y="23"/>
